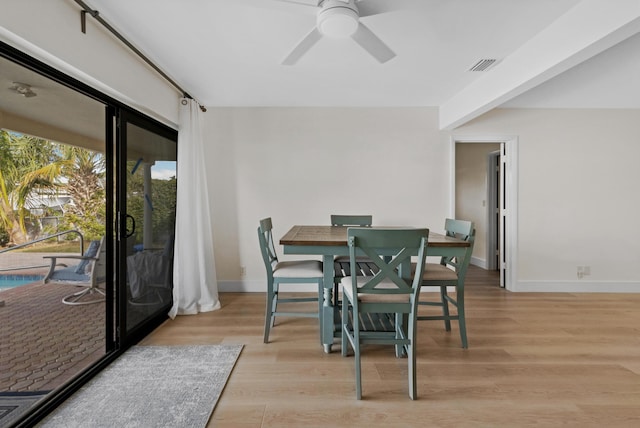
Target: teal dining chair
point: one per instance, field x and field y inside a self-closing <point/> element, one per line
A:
<point x="450" y="272"/>
<point x="286" y="272"/>
<point x="351" y="220"/>
<point x="341" y="266"/>
<point x="389" y="291"/>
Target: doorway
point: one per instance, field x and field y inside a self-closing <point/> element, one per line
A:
<point x="484" y="180"/>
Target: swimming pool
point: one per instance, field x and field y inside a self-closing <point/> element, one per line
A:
<point x="11" y="281"/>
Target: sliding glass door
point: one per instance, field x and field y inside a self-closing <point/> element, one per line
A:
<point x="93" y="169"/>
<point x="146" y="206"/>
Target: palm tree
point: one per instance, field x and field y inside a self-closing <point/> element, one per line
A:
<point x="30" y="165"/>
<point x="27" y="164"/>
<point x="84" y="171"/>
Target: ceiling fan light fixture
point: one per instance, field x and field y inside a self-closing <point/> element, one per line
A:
<point x="339" y="21"/>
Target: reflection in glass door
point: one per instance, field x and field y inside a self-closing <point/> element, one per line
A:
<point x="147" y="223"/>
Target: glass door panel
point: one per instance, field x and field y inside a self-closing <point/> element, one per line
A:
<point x="147" y="223"/>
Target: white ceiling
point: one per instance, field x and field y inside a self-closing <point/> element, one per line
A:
<point x="228" y="53"/>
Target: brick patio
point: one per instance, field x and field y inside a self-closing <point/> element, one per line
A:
<point x="43" y="342"/>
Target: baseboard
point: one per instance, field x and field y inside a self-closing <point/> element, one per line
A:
<point x="578" y="286"/>
<point x="481" y="263"/>
<point x="258" y="286"/>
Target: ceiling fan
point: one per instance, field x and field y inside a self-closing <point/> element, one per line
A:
<point x="341" y="19"/>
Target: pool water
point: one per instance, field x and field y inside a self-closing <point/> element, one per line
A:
<point x="11" y="281"/>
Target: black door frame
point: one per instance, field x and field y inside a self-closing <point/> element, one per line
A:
<point x="116" y="344"/>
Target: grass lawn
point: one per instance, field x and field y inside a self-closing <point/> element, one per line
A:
<point x="62" y="247"/>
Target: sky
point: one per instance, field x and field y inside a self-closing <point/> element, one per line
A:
<point x="163" y="170"/>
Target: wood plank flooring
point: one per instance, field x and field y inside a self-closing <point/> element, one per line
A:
<point x="534" y="359"/>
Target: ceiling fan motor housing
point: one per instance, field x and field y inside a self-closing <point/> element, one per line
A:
<point x="338" y="18"/>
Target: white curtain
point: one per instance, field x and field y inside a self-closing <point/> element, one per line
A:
<point x="194" y="275"/>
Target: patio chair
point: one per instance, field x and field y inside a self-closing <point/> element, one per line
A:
<point x="150" y="275"/>
<point x="86" y="274"/>
<point x="390" y="291"/>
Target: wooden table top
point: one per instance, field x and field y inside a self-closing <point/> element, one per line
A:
<point x="336" y="236"/>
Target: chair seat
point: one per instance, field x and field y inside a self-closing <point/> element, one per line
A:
<point x="69" y="274"/>
<point x="298" y="269"/>
<point x="374" y="298"/>
<point x="436" y="272"/>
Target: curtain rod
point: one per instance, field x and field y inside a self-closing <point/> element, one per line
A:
<point x="96" y="15"/>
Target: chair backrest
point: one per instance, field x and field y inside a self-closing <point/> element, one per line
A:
<point x="351" y="220"/>
<point x="458" y="228"/>
<point x="98" y="269"/>
<point x="389" y="249"/>
<point x="91" y="253"/>
<point x="267" y="247"/>
<point x="466" y="231"/>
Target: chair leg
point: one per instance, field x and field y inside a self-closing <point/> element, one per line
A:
<point x="462" y="323"/>
<point x="411" y="361"/>
<point x="75" y="298"/>
<point x="445" y="308"/>
<point x="274" y="309"/>
<point x="345" y="320"/>
<point x="269" y="310"/>
<point x="401" y="323"/>
<point x="356" y="351"/>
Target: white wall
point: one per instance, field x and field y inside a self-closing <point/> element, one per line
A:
<point x="577" y="175"/>
<point x="50" y="32"/>
<point x="300" y="165"/>
<point x="578" y="197"/>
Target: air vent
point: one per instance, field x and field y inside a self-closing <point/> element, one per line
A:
<point x="483" y="65"/>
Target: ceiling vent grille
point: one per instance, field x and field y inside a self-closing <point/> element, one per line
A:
<point x="483" y="65"/>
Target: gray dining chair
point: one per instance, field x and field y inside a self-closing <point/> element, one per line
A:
<point x="450" y="272"/>
<point x="389" y="291"/>
<point x="286" y="272"/>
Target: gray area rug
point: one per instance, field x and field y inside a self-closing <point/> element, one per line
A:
<point x="151" y="386"/>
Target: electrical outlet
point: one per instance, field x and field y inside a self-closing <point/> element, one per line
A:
<point x="243" y="271"/>
<point x="583" y="271"/>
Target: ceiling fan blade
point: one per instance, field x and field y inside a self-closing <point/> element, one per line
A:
<point x="290" y="6"/>
<point x="370" y="8"/>
<point x="314" y="3"/>
<point x="302" y="47"/>
<point x="372" y="44"/>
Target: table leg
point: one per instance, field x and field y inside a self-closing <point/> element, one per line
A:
<point x="328" y="308"/>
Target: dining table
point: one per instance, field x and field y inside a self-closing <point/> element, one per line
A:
<point x="331" y="241"/>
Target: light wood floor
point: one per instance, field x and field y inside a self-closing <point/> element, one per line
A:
<point x="534" y="359"/>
